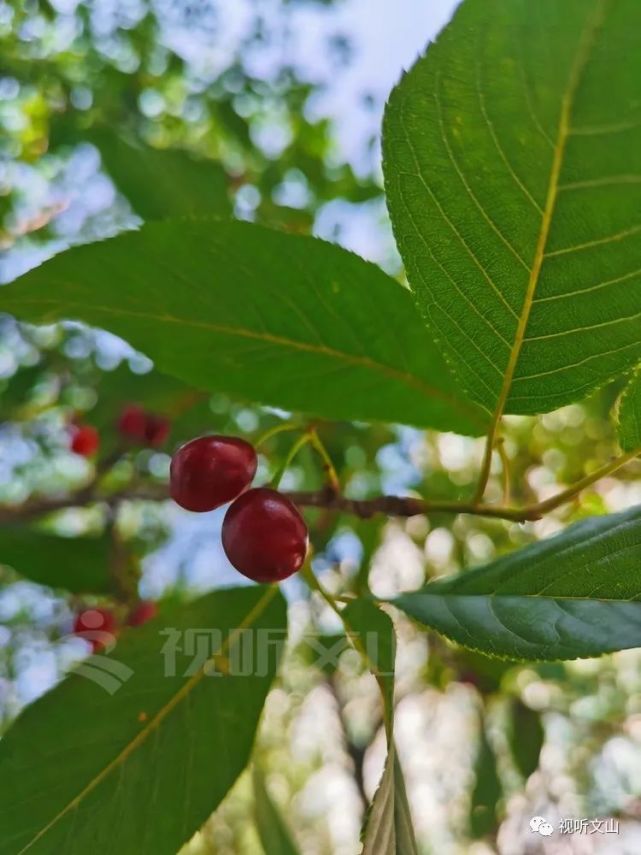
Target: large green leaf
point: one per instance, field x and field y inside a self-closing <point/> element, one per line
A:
<point x="574" y="595"/>
<point x="280" y="319"/>
<point x="141" y="771"/>
<point x="78" y="564"/>
<point x="388" y="828"/>
<point x="512" y="158"/>
<point x="629" y="414"/>
<point x="162" y="183"/>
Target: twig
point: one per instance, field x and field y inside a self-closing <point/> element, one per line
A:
<point x="394" y="506"/>
<point x="328" y="466"/>
<point x="35" y="508"/>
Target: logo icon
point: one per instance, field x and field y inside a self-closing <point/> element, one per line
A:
<point x="107" y="673"/>
<point x="540" y="825"/>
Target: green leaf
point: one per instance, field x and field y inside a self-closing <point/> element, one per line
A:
<point x="574" y="595"/>
<point x="162" y="183"/>
<point x="525" y="736"/>
<point x="513" y="172"/>
<point x="629" y="414"/>
<point x="272" y="831"/>
<point x="487" y="789"/>
<point x="279" y="319"/>
<point x="372" y="633"/>
<point x="141" y="771"/>
<point x="77" y="564"/>
<point x="388" y="828"/>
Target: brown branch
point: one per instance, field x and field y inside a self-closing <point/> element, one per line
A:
<point x="400" y="506"/>
<point x="35" y="508"/>
<point x="392" y="506"/>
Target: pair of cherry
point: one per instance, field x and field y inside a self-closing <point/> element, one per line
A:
<point x="263" y="534"/>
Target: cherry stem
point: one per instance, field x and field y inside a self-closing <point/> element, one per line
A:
<point x="314" y="585"/>
<point x="282" y="428"/>
<point x="310" y="436"/>
<point x="328" y="466"/>
<point x="486" y="465"/>
<point x="302" y="440"/>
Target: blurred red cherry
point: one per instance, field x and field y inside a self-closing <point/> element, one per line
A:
<point x="156" y="430"/>
<point x="141" y="427"/>
<point x="97" y="626"/>
<point x="143" y="612"/>
<point x="85" y="440"/>
<point x="132" y="423"/>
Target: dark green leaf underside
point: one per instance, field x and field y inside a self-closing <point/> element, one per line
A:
<point x="574" y="595"/>
<point x="163" y="183"/>
<point x="278" y="319"/>
<point x="525" y="737"/>
<point x="79" y="564"/>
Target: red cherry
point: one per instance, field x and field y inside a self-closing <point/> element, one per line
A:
<point x="97" y="626"/>
<point x="143" y="612"/>
<point x="132" y="423"/>
<point x="264" y="536"/>
<point x="156" y="430"/>
<point x="210" y="471"/>
<point x="85" y="440"/>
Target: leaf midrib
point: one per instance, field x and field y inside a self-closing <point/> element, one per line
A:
<point x="254" y="613"/>
<point x="503" y="596"/>
<point x="586" y="43"/>
<point x="280" y="341"/>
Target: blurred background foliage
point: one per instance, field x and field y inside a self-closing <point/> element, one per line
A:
<point x="101" y="104"/>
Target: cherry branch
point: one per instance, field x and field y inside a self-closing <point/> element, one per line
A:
<point x="35" y="508"/>
<point x="329" y="499"/>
